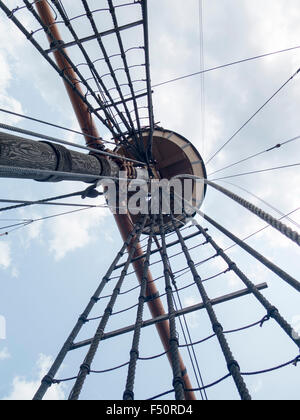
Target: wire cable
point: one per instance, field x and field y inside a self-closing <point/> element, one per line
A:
<point x="30" y="203"/>
<point x="260" y="230"/>
<point x="251" y="118"/>
<point x="224" y="65"/>
<point x="256" y="172"/>
<point x="54" y="125"/>
<point x="275" y="223"/>
<point x="278" y="145"/>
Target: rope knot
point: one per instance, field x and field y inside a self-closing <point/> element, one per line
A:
<point x="231" y="266"/>
<point x="152" y="297"/>
<point x="269" y="315"/>
<point x="47" y="379"/>
<point x="108" y="310"/>
<point x="271" y="311"/>
<point x="128" y="395"/>
<point x="216" y="326"/>
<point x="265" y="319"/>
<point x="136" y="352"/>
<point x="175" y="340"/>
<point x="83" y="319"/>
<point x="178" y="381"/>
<point x="219" y="251"/>
<point x="233" y="363"/>
<point x="87" y="367"/>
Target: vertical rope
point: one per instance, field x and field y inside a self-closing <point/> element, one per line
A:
<point x="232" y="364"/>
<point x="134" y="353"/>
<point x="85" y="367"/>
<point x="188" y="332"/>
<point x="178" y="383"/>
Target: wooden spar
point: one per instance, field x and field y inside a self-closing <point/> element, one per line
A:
<point x="80" y="108"/>
<point x="123" y="221"/>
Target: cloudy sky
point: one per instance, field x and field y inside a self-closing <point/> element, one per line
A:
<point x="49" y="270"/>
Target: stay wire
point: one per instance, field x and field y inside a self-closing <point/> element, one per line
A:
<point x="251" y="118"/>
<point x="277" y="146"/>
<point x="26" y="204"/>
<point x="256" y="172"/>
<point x="224" y="66"/>
<point x="2" y="200"/>
<point x="54" y="125"/>
<point x="29" y="222"/>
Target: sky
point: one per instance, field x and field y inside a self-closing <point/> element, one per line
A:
<point x="49" y="269"/>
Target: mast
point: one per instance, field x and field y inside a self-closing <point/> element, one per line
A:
<point x="123" y="222"/>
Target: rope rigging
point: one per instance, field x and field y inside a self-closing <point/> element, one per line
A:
<point x="275" y="223"/>
<point x="109" y="113"/>
<point x="187" y="334"/>
<point x="293" y="362"/>
<point x="273" y="267"/>
<point x="283" y="216"/>
<point x="134" y="353"/>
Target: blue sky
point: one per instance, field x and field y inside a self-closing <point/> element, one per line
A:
<point x="49" y="270"/>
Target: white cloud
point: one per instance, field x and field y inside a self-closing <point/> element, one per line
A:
<point x="23" y="389"/>
<point x="5" y="255"/>
<point x="257" y="386"/>
<point x="5" y="74"/>
<point x="11" y="104"/>
<point x="193" y="317"/>
<point x="4" y="354"/>
<point x="74" y="231"/>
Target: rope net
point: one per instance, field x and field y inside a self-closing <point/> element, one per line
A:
<point x="111" y="64"/>
<point x="114" y="321"/>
